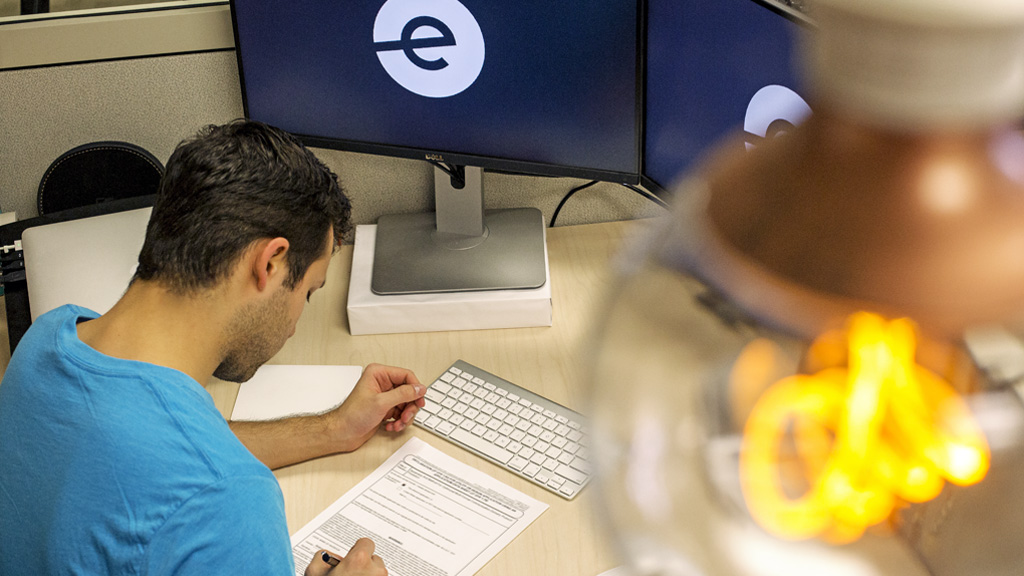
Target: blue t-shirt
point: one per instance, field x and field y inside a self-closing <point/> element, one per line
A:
<point x="111" y="466"/>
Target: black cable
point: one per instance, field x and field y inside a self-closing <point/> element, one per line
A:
<point x="566" y="197"/>
<point x="457" y="173"/>
<point x="639" y="191"/>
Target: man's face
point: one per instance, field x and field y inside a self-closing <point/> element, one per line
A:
<point x="259" y="330"/>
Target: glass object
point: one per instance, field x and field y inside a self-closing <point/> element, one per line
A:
<point x="798" y="362"/>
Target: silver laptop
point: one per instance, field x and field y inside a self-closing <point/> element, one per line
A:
<point x="88" y="261"/>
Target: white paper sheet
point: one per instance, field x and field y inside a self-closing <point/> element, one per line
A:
<point x="427" y="513"/>
<point x="279" y="390"/>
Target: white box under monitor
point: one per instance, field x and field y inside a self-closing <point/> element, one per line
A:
<point x="370" y="313"/>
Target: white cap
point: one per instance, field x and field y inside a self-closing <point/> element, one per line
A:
<point x="916" y="64"/>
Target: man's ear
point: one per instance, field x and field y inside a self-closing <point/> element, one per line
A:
<point x="269" y="265"/>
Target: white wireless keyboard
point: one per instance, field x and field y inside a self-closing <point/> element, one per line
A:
<point x="527" y="434"/>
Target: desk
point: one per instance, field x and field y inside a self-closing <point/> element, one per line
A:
<point x="567" y="539"/>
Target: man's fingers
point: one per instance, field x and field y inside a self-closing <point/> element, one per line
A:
<point x="318" y="566"/>
<point x="363" y="547"/>
<point x="391" y="376"/>
<point x="401" y="395"/>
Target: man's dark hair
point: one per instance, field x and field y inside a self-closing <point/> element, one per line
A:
<point x="229" y="187"/>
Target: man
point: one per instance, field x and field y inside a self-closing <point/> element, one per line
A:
<point x="113" y="458"/>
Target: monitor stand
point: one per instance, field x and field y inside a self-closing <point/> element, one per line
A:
<point x="461" y="247"/>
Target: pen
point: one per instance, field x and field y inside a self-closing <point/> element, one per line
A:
<point x="327" y="557"/>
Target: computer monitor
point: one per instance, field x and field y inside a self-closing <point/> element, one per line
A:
<point x="713" y="68"/>
<point x="533" y="86"/>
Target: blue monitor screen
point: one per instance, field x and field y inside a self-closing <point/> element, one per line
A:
<point x="714" y="67"/>
<point x="533" y="85"/>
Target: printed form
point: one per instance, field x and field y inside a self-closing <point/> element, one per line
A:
<point x="427" y="513"/>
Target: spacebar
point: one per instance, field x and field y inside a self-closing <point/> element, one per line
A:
<point x="480" y="445"/>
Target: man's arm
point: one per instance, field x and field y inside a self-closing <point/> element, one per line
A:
<point x="383" y="395"/>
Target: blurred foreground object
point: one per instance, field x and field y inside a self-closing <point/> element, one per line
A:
<point x="787" y="358"/>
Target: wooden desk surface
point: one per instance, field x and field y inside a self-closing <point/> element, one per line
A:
<point x="566" y="539"/>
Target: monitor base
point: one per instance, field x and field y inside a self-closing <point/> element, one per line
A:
<point x="412" y="257"/>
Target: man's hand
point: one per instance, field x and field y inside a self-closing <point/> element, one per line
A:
<point x="360" y="561"/>
<point x="383" y="395"/>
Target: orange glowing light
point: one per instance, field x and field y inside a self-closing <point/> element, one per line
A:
<point x="863" y="437"/>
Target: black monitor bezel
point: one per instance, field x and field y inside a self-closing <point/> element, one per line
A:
<point x="664" y="191"/>
<point x="487" y="162"/>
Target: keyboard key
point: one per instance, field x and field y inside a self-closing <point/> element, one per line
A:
<point x="482" y="446"/>
<point x="432" y="422"/>
<point x="434" y="395"/>
<point x="570" y="474"/>
<point x="517" y="463"/>
<point x="569" y="489"/>
<point x="455" y="370"/>
<point x="580" y="465"/>
<point x="445" y="428"/>
<point x="447" y="377"/>
<point x="531" y="470"/>
<point x="441" y="387"/>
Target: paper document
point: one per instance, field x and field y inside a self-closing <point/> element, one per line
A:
<point x="277" y="390"/>
<point x="427" y="513"/>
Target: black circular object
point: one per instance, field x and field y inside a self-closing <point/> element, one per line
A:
<point x="98" y="172"/>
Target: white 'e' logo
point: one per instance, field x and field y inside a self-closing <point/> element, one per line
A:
<point x="433" y="48"/>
